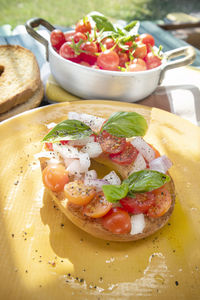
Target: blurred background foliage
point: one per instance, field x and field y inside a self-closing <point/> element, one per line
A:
<point x="67" y="12"/>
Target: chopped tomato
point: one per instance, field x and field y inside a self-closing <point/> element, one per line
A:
<point x="111" y="144"/>
<point x="49" y="146"/>
<point x="162" y="203"/>
<point x="140" y="204"/>
<point x="55" y="177"/>
<point x="78" y="193"/>
<point x="57" y="38"/>
<point x="97" y="207"/>
<point x="127" y="156"/>
<point x="157" y="153"/>
<point x="117" y="221"/>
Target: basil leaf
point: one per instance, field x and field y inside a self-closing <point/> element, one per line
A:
<point x="68" y="130"/>
<point x="126" y="124"/>
<point x="146" y="181"/>
<point x="113" y="193"/>
<point x="102" y="23"/>
<point x="130" y="26"/>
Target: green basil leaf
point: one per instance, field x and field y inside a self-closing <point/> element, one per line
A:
<point x="68" y="130"/>
<point x="126" y="124"/>
<point x="113" y="193"/>
<point x="130" y="26"/>
<point x="102" y="23"/>
<point x="146" y="181"/>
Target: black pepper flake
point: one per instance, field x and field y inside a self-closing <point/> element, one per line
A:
<point x="69" y="274"/>
<point x="16" y="182"/>
<point x="40" y="261"/>
<point x="107" y="244"/>
<point x="101" y="278"/>
<point x="36" y="250"/>
<point x="12" y="235"/>
<point x="168" y="224"/>
<point x="174" y="250"/>
<point x="81" y="280"/>
<point x="176" y="283"/>
<point x="62" y="225"/>
<point x="26" y="271"/>
<point x="76" y="278"/>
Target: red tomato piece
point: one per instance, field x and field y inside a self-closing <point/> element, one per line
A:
<point x="78" y="193"/>
<point x="117" y="221"/>
<point x="66" y="51"/>
<point x="162" y="203"/>
<point x="111" y="144"/>
<point x="136" y="67"/>
<point x="57" y="38"/>
<point x="138" y="205"/>
<point x="69" y="36"/>
<point x="126" y="157"/>
<point x="89" y="55"/>
<point x="108" y="43"/>
<point x="79" y="36"/>
<point x="83" y="26"/>
<point x="55" y="177"/>
<point x="152" y="61"/>
<point x="97" y="207"/>
<point x="108" y="60"/>
<point x="148" y="40"/>
<point x="123" y="58"/>
<point x="49" y="146"/>
<point x="140" y="51"/>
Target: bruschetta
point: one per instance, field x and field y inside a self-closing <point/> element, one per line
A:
<point x="134" y="200"/>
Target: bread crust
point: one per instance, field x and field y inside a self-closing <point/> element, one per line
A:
<point x="19" y="76"/>
<point x="94" y="227"/>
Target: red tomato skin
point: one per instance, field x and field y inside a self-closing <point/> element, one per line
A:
<point x="97" y="207"/>
<point x="126" y="157"/>
<point x="83" y="26"/>
<point x="135" y="67"/>
<point x="89" y="55"/>
<point x="79" y="36"/>
<point x="57" y="38"/>
<point x="55" y="177"/>
<point x="49" y="146"/>
<point x="140" y="51"/>
<point x="152" y="61"/>
<point x="108" y="60"/>
<point x="110" y="144"/>
<point x="69" y="36"/>
<point x="148" y="40"/>
<point x="123" y="59"/>
<point x="138" y="205"/>
<point x="108" y="43"/>
<point x="117" y="221"/>
<point x="67" y="52"/>
<point x="162" y="203"/>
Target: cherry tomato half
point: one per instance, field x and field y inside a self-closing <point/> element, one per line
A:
<point x="136" y="65"/>
<point x="55" y="177"/>
<point x="111" y="144"/>
<point x="127" y="156"/>
<point x="162" y="203"/>
<point x="108" y="43"/>
<point x="97" y="207"/>
<point x="140" y="51"/>
<point x="108" y="60"/>
<point x="78" y="193"/>
<point x="69" y="36"/>
<point x="152" y="61"/>
<point x="123" y="58"/>
<point x="57" y="38"/>
<point x="117" y="221"/>
<point x="148" y="40"/>
<point x="79" y="36"/>
<point x="138" y="205"/>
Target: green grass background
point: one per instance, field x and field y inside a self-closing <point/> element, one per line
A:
<point x="67" y="12"/>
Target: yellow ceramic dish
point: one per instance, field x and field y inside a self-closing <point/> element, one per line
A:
<point x="44" y="256"/>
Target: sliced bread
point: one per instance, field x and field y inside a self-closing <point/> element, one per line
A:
<point x="19" y="76"/>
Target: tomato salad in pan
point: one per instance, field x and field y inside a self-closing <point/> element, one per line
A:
<point x="97" y="43"/>
<point x="133" y="200"/>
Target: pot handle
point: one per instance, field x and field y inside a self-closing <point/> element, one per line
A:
<point x="189" y="56"/>
<point x="35" y="22"/>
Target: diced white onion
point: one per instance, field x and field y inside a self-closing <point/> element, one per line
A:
<point x="161" y="164"/>
<point x="91" y="174"/>
<point x="74" y="168"/>
<point x="81" y="142"/>
<point x="137" y="224"/>
<point x="51" y="125"/>
<point x="93" y="149"/>
<point x="142" y="146"/>
<point x="112" y="178"/>
<point x="93" y="122"/>
<point x="95" y="182"/>
<point x="47" y="154"/>
<point x="65" y="151"/>
<point x="84" y="162"/>
<point x="139" y="164"/>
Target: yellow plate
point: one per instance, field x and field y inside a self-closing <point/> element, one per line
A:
<point x="44" y="256"/>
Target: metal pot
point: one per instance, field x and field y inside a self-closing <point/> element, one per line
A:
<point x="91" y="83"/>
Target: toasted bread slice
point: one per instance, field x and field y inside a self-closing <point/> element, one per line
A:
<point x="33" y="102"/>
<point x="19" y="76"/>
<point x="94" y="227"/>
